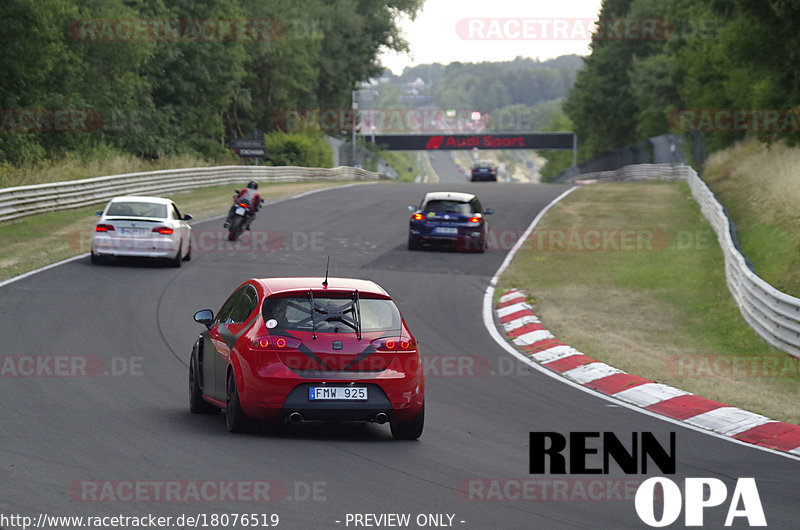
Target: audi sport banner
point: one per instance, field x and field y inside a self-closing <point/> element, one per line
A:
<point x="418" y="142"/>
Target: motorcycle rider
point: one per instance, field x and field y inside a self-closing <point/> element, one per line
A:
<point x="249" y="194"/>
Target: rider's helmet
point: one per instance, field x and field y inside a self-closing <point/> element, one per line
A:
<point x="253" y="185"/>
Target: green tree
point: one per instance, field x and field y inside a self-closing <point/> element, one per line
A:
<point x="354" y="31"/>
<point x="524" y="118"/>
<point x="298" y="149"/>
<point x="430" y="73"/>
<point x="50" y="65"/>
<point x="167" y="96"/>
<point x="557" y="161"/>
<point x="488" y="86"/>
<point x="194" y="80"/>
<point x="281" y="74"/>
<point x="32" y="46"/>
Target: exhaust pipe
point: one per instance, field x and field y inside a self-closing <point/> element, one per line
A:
<point x="381" y="418"/>
<point x="294" y="418"/>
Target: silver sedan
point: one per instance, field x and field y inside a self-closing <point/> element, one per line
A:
<point x="150" y="227"/>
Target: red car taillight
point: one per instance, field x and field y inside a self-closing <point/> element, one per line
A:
<point x="418" y="217"/>
<point x="103" y="228"/>
<point x="277" y="343"/>
<point x="394" y="344"/>
<point x="164" y="230"/>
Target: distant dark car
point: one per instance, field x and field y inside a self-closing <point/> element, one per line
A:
<point x="484" y="170"/>
<point x="449" y="218"/>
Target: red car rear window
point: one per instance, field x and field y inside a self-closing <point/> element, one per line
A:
<point x="332" y="314"/>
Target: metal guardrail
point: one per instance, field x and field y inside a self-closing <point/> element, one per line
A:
<point x="636" y="173"/>
<point x="28" y="200"/>
<point x="774" y="315"/>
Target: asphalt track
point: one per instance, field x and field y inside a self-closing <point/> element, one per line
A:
<point x="62" y="435"/>
<point x="447" y="171"/>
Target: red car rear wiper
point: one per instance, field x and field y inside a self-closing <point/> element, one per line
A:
<point x="313" y="320"/>
<point x="357" y="304"/>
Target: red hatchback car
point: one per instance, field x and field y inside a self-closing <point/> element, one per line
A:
<point x="314" y="349"/>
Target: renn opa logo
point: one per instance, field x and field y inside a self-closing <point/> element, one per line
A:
<point x="698" y="494"/>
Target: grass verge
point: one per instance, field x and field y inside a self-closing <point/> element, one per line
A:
<point x="760" y="187"/>
<point x="631" y="274"/>
<point x="405" y="163"/>
<point x="35" y="241"/>
<point x="74" y="168"/>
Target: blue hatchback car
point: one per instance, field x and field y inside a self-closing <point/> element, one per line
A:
<point x="449" y="218"/>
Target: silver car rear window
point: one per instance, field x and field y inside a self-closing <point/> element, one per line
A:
<point x="137" y="209"/>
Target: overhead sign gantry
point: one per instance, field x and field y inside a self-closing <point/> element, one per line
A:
<point x="427" y="142"/>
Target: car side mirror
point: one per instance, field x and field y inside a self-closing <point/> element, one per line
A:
<point x="412" y="208"/>
<point x="204" y="317"/>
<point x="488" y="211"/>
<point x="187" y="217"/>
<point x="100" y="213"/>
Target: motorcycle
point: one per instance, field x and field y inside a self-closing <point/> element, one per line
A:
<point x="241" y="214"/>
<point x="240" y="219"/>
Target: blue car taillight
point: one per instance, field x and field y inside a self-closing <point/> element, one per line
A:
<point x="475" y="220"/>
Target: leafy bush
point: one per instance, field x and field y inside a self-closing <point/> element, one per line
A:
<point x="298" y="149"/>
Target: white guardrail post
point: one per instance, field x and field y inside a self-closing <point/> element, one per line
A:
<point x="774" y="315"/>
<point x="28" y="200"/>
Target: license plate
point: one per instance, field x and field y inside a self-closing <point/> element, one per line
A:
<point x="131" y="231"/>
<point x="445" y="230"/>
<point x="317" y="393"/>
<point x="240" y="211"/>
